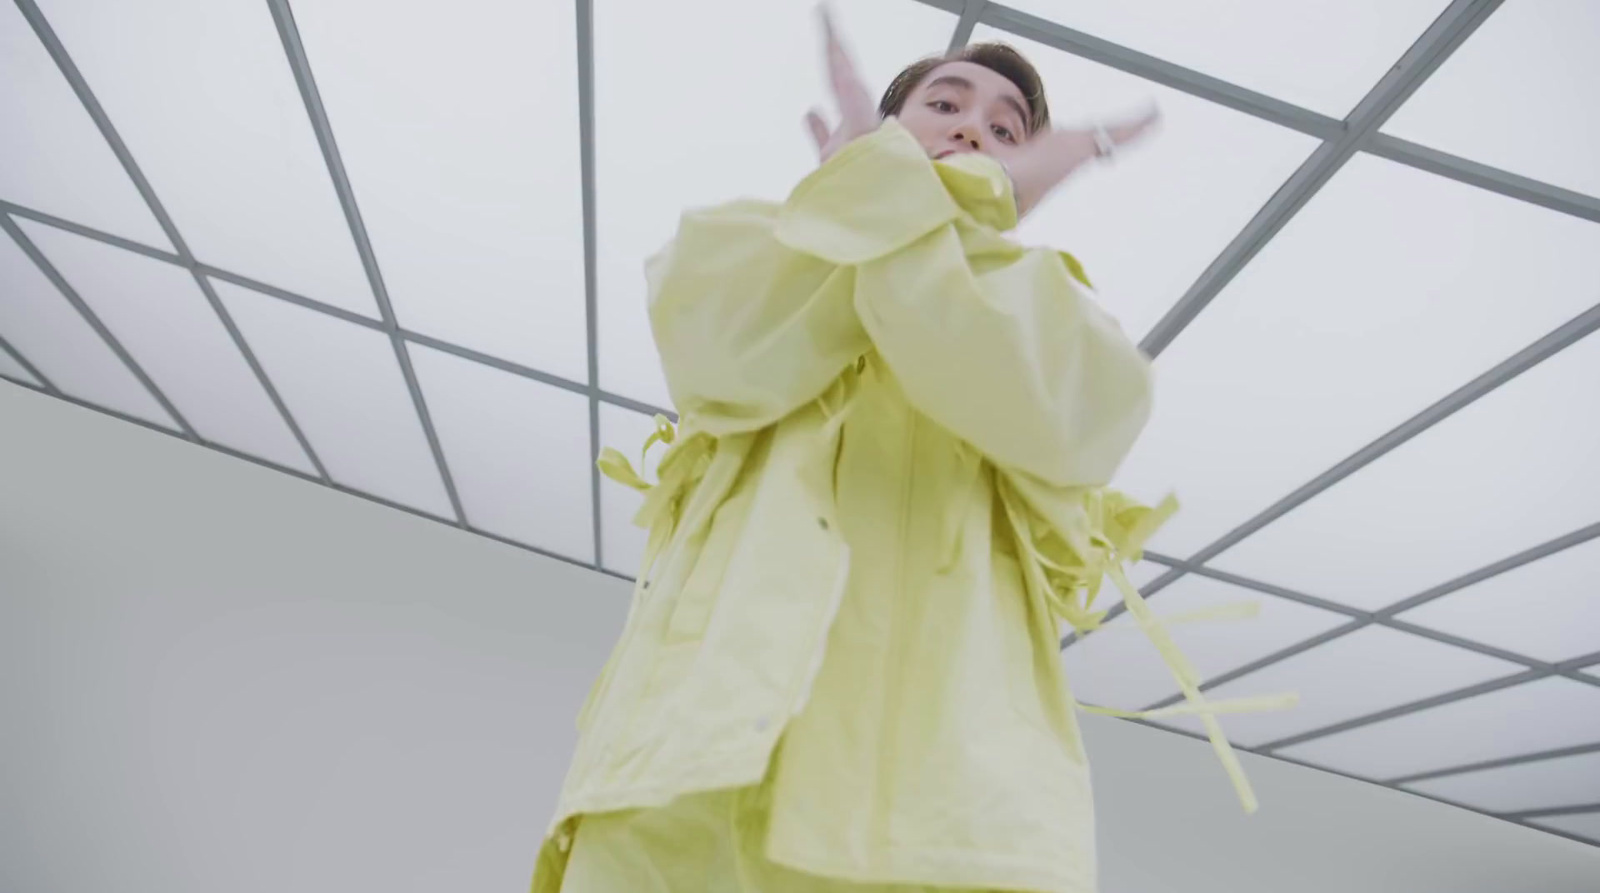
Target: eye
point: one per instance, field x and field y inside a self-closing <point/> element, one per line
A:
<point x="1004" y="133"/>
<point x="941" y="106"/>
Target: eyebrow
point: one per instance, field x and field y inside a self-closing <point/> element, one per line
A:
<point x="961" y="83"/>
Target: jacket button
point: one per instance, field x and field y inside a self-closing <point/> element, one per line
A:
<point x="823" y="523"/>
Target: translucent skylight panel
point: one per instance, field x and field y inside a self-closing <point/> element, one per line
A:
<point x="1549" y="609"/>
<point x="52" y="157"/>
<point x="1146" y="226"/>
<point x="157" y="312"/>
<point x="12" y="369"/>
<point x="344" y="386"/>
<point x="201" y="92"/>
<point x="517" y="450"/>
<point x="1562" y="781"/>
<point x="1541" y="715"/>
<point x="713" y="114"/>
<point x="1389" y="290"/>
<point x="459" y="130"/>
<point x="1523" y="94"/>
<point x="1371" y="669"/>
<point x="1118" y="667"/>
<point x="1510" y="471"/>
<point x="1324" y="56"/>
<point x="623" y="543"/>
<point x="42" y="326"/>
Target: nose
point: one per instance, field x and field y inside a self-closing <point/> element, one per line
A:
<point x="967" y="136"/>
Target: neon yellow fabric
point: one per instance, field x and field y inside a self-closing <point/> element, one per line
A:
<point x="888" y="485"/>
<point x="707" y="842"/>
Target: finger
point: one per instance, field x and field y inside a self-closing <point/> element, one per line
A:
<point x="818" y="128"/>
<point x="1127" y="133"/>
<point x="849" y="91"/>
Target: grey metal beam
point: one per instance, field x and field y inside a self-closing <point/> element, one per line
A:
<point x="90" y="317"/>
<point x="340" y="313"/>
<point x="300" y="65"/>
<point x="1483" y="176"/>
<point x="1527" y="556"/>
<point x="334" y="485"/>
<point x="91" y="104"/>
<point x="1567" y="334"/>
<point x="1282" y="758"/>
<point x="1282" y="113"/>
<point x="1552" y="811"/>
<point x="586" y="161"/>
<point x="1564" y="336"/>
<point x="1503" y="762"/>
<point x="1387" y="618"/>
<point x="971" y="11"/>
<point x="1439" y="700"/>
<point x="6" y="348"/>
<point x="17" y="210"/>
<point x="1441" y="39"/>
<point x="953" y="7"/>
<point x="1160" y="71"/>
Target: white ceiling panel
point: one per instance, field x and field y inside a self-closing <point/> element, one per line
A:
<point x="157" y="312"/>
<point x="201" y="92"/>
<point x="657" y="151"/>
<point x="1372" y="669"/>
<point x="1583" y="824"/>
<point x="49" y="331"/>
<point x="344" y="386"/>
<point x="1148" y="225"/>
<point x="1563" y="781"/>
<point x="52" y="157"/>
<point x="458" y="127"/>
<point x="12" y="369"/>
<point x="1512" y="470"/>
<point x="1523" y="94"/>
<point x="1541" y="715"/>
<point x="1549" y="609"/>
<point x="1118" y="667"/>
<point x="1318" y="346"/>
<point x="517" y="450"/>
<point x="625" y="431"/>
<point x="1323" y="56"/>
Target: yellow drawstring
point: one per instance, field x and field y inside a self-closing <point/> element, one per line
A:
<point x="1117" y="529"/>
<point x="684" y="463"/>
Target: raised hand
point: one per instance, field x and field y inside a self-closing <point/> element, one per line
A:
<point x="1046" y="159"/>
<point x="858" y="116"/>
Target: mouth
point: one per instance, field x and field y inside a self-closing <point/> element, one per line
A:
<point x="945" y="154"/>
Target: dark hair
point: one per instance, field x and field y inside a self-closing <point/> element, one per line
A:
<point x="996" y="57"/>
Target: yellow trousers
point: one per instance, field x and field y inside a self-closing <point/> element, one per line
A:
<point x="709" y="842"/>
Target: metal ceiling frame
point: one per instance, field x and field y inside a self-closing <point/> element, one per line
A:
<point x="1358" y="132"/>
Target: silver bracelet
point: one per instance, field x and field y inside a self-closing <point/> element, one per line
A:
<point x="1104" y="148"/>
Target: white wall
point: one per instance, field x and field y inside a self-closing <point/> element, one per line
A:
<point x="217" y="678"/>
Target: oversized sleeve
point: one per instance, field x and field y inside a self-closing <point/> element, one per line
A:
<point x="1001" y="345"/>
<point x="753" y="304"/>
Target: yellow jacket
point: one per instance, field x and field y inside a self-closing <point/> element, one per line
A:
<point x="896" y="428"/>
